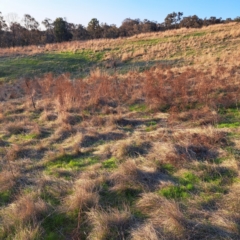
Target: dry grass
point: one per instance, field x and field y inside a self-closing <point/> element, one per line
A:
<point x="109" y="224"/>
<point x="142" y="155"/>
<point x="7" y="180"/>
<point x="26" y="210"/>
<point x="85" y="194"/>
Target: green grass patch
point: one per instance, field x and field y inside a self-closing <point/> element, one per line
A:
<point x="151" y="126"/>
<point x="56" y="221"/>
<point x="167" y="168"/>
<point x="150" y="42"/>
<point x="230" y="118"/>
<point x="190" y="52"/>
<point x="138" y="108"/>
<point x="28" y="136"/>
<point x="219" y="160"/>
<point x="50" y="196"/>
<point x="110" y="163"/>
<point x="229" y="125"/>
<point x="217" y="189"/>
<point x="128" y="128"/>
<point x="209" y="201"/>
<point x="138" y="214"/>
<point x="217" y="179"/>
<point x="189" y="178"/>
<point x="78" y="64"/>
<point x="60" y="173"/>
<point x="235" y="135"/>
<point x="186" y="185"/>
<point x="219" y="175"/>
<point x="151" y="123"/>
<point x="72" y="162"/>
<point x="196" y="34"/>
<point x="176" y="192"/>
<point x="5" y="197"/>
<point x="233" y="151"/>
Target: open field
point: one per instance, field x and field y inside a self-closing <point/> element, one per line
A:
<point x="140" y="140"/>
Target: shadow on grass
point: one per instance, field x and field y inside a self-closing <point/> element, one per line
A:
<point x="57" y="63"/>
<point x="78" y="64"/>
<point x="99" y="139"/>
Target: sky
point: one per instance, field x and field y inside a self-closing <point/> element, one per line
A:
<point x="115" y="11"/>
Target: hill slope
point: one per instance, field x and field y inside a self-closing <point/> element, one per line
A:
<point x="212" y="45"/>
<point x="146" y="146"/>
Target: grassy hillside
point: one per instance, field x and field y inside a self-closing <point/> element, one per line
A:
<point x="144" y="143"/>
<point x="214" y="44"/>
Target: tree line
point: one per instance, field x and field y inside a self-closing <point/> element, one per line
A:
<point x="27" y="32"/>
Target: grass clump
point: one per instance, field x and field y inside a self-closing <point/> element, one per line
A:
<point x="110" y="163"/>
<point x="183" y="189"/>
<point x="176" y="192"/>
<point x="109" y="224"/>
<point x="189" y="178"/>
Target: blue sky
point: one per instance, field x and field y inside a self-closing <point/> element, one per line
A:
<point x="115" y="11"/>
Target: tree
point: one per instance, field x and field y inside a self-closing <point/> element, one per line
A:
<point x="237" y="19"/>
<point x="61" y="31"/>
<point x="3" y="28"/>
<point x="94" y="28"/>
<point x="191" y="22"/>
<point x="49" y="33"/>
<point x="30" y="23"/>
<point x="80" y="32"/>
<point x="17" y="32"/>
<point x="12" y="18"/>
<point x="148" y="26"/>
<point x="130" y="27"/>
<point x="32" y="35"/>
<point x="3" y="25"/>
<point x="109" y="31"/>
<point x="172" y="19"/>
